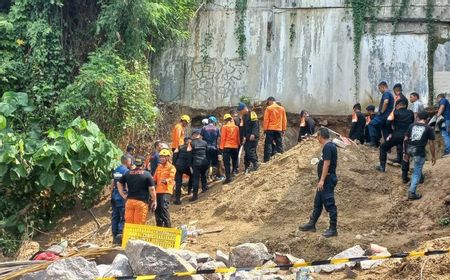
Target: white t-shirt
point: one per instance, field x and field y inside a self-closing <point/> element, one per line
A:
<point x="417" y="106"/>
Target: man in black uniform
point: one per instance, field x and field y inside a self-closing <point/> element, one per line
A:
<point x="326" y="170"/>
<point x="182" y="160"/>
<point x="200" y="163"/>
<point x="249" y="129"/>
<point x="141" y="188"/>
<point x="358" y="124"/>
<point x="403" y="118"/>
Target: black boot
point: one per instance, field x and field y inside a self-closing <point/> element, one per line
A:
<point x="308" y="227"/>
<point x="406" y="180"/>
<point x="414" y="196"/>
<point x="330" y="233"/>
<point x="381" y="167"/>
<point x="194" y="197"/>
<point x="227" y="181"/>
<point x="177" y="202"/>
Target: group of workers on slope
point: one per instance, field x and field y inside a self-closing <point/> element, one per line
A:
<point x="403" y="127"/>
<point x="141" y="184"/>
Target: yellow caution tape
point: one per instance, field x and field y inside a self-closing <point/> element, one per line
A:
<point x="225" y="270"/>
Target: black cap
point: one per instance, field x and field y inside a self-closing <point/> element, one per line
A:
<point x="195" y="132"/>
<point x="370" y="108"/>
<point x="398" y="86"/>
<point x="357" y="106"/>
<point x="139" y="161"/>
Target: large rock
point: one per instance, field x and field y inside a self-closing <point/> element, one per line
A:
<point x="249" y="254"/>
<point x="203" y="258"/>
<point x="103" y="269"/>
<point x="353" y="252"/>
<point x="146" y="258"/>
<point x="120" y="267"/>
<point x="76" y="268"/>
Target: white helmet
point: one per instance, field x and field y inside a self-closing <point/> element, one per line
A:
<point x="205" y="121"/>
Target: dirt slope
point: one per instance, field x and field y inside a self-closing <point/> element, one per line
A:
<point x="267" y="206"/>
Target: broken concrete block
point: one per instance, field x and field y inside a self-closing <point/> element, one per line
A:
<point x="146" y="258"/>
<point x="210" y="266"/>
<point x="187" y="255"/>
<point x="76" y="268"/>
<point x="120" y="267"/>
<point x="352" y="252"/>
<point x="249" y="254"/>
<point x="103" y="269"/>
<point x="203" y="257"/>
<point x="222" y="257"/>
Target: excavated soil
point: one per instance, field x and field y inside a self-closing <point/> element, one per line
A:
<point x="268" y="205"/>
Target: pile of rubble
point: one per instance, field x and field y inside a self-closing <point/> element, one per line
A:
<point x="143" y="258"/>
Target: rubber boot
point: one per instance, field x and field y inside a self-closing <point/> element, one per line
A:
<point x="414" y="196"/>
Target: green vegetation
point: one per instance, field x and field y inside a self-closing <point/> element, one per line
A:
<point x="239" y="32"/>
<point x="70" y="69"/>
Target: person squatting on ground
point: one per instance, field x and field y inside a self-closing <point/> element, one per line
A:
<point x="274" y="126"/>
<point x="444" y="110"/>
<point x="250" y="131"/>
<point x="402" y="119"/>
<point x="165" y="181"/>
<point x="200" y="163"/>
<point x="326" y="171"/>
<point x="369" y="117"/>
<point x="378" y="123"/>
<point x="210" y="134"/>
<point x="358" y="124"/>
<point x="117" y="201"/>
<point x="416" y="139"/>
<point x="140" y="188"/>
<point x="179" y="131"/>
<point x="307" y="125"/>
<point x="183" y="160"/>
<point x="229" y="146"/>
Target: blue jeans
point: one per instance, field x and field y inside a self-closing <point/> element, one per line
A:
<point x="376" y="126"/>
<point x="417" y="173"/>
<point x="445" y="134"/>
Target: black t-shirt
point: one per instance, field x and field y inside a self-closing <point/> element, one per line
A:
<point x="329" y="152"/>
<point x="183" y="158"/>
<point x="403" y="118"/>
<point x="199" y="151"/>
<point x="138" y="182"/>
<point x="357" y="130"/>
<point x="418" y="135"/>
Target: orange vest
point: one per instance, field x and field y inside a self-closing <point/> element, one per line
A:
<point x="165" y="171"/>
<point x="275" y="118"/>
<point x="177" y="136"/>
<point x="229" y="136"/>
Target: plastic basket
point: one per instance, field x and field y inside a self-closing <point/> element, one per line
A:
<point x="161" y="236"/>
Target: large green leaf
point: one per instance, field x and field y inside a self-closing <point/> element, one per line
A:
<point x="47" y="179"/>
<point x="20" y="98"/>
<point x="70" y="134"/>
<point x="66" y="174"/>
<point x="7" y="109"/>
<point x="89" y="142"/>
<point x="3" y="122"/>
<point x="59" y="185"/>
<point x="20" y="171"/>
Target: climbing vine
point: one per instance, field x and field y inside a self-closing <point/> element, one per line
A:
<point x="239" y="32"/>
<point x="207" y="41"/>
<point x="292" y="34"/>
<point x="398" y="13"/>
<point x="432" y="45"/>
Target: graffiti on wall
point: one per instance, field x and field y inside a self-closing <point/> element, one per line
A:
<point x="215" y="82"/>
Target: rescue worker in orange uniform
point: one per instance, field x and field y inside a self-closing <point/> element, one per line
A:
<point x="140" y="187"/>
<point x="229" y="145"/>
<point x="274" y="125"/>
<point x="178" y="132"/>
<point x="165" y="181"/>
